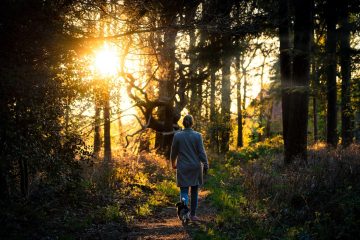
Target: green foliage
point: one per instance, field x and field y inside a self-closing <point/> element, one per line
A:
<point x="268" y="147"/>
<point x="112" y="212"/>
<point x="257" y="197"/>
<point x="36" y="145"/>
<point x="169" y="189"/>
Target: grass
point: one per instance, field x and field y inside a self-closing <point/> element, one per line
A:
<point x="257" y="197"/>
<point x="169" y="189"/>
<point x="148" y="181"/>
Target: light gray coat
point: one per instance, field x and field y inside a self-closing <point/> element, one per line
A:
<point x="188" y="148"/>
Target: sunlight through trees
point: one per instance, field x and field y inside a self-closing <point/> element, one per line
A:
<point x="87" y="85"/>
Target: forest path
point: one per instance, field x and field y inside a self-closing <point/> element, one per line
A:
<point x="166" y="225"/>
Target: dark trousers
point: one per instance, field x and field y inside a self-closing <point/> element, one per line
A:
<point x="184" y="193"/>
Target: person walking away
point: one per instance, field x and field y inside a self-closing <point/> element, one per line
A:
<point x="189" y="159"/>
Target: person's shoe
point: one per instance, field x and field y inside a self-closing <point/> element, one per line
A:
<point x="194" y="218"/>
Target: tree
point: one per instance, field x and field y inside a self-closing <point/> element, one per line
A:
<point x="107" y="122"/>
<point x="345" y="63"/>
<point x="194" y="83"/>
<point x="285" y="71"/>
<point x="240" y="142"/>
<point x="226" y="58"/>
<point x="331" y="20"/>
<point x="315" y="86"/>
<point x="34" y="133"/>
<point x="97" y="138"/>
<point x="295" y="77"/>
<point x="303" y="29"/>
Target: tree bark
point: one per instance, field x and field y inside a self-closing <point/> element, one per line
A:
<point x="98" y="97"/>
<point x="330" y="67"/>
<point x="170" y="37"/>
<point x="107" y="125"/>
<point x="244" y="73"/>
<point x="225" y="95"/>
<point x="97" y="140"/>
<point x="285" y="71"/>
<point x="194" y="98"/>
<point x="240" y="142"/>
<point x="345" y="63"/>
<point x="315" y="96"/>
<point x="200" y="104"/>
<point x="261" y="107"/>
<point x="213" y="121"/>
<point x="295" y="86"/>
<point x="167" y="83"/>
<point x="299" y="95"/>
<point x="224" y="10"/>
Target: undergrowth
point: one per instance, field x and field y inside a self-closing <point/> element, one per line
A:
<point x="147" y="183"/>
<point x="258" y="197"/>
<point x="101" y="205"/>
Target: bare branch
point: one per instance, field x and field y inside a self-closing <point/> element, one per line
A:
<point x="143" y="128"/>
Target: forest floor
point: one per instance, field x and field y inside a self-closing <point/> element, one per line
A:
<point x="248" y="194"/>
<point x="165" y="225"/>
<point x="137" y="203"/>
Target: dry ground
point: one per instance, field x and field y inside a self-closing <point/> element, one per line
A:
<point x="166" y="225"/>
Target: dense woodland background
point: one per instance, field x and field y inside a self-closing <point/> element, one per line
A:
<point x="91" y="93"/>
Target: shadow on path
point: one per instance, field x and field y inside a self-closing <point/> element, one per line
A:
<point x="166" y="225"/>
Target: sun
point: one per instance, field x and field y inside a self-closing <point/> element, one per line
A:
<point x="106" y="61"/>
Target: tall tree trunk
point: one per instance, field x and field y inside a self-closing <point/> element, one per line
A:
<point x="167" y="60"/>
<point x="240" y="142"/>
<point x="225" y="95"/>
<point x="213" y="119"/>
<point x="244" y="74"/>
<point x="97" y="140"/>
<point x="167" y="83"/>
<point x="295" y="90"/>
<point x="207" y="100"/>
<point x="315" y="96"/>
<point x="345" y="62"/>
<point x="170" y="37"/>
<point x="98" y="97"/>
<point x="298" y="117"/>
<point x="200" y="104"/>
<point x="315" y="86"/>
<point x="195" y="65"/>
<point x="261" y="107"/>
<point x="193" y="107"/>
<point x="285" y="71"/>
<point x="357" y="114"/>
<point x="330" y="67"/>
<point x="224" y="9"/>
<point x="107" y="123"/>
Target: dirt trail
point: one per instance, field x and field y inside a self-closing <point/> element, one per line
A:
<point x="166" y="225"/>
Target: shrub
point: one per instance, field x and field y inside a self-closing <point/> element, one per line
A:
<point x="259" y="197"/>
